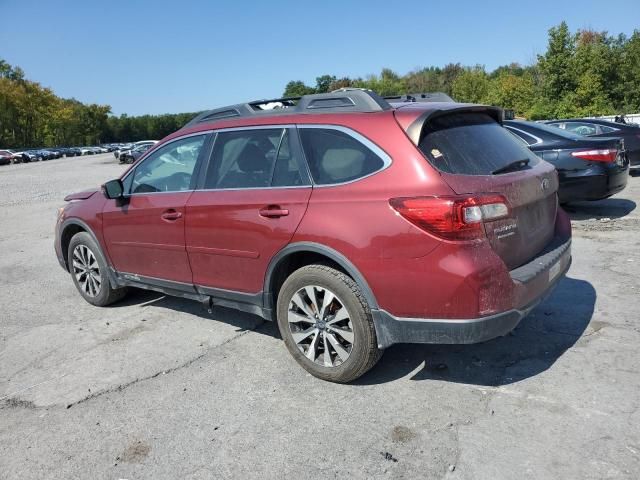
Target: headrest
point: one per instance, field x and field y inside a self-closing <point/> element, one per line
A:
<point x="342" y="163"/>
<point x="252" y="159"/>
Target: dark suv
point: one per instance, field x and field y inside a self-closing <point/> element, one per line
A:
<point x="353" y="222"/>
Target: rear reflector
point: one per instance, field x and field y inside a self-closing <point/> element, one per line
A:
<point x="607" y="155"/>
<point x="452" y="217"/>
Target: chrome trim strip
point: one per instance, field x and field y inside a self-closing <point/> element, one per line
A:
<point x="538" y="139"/>
<point x="246" y="188"/>
<point x="386" y="159"/>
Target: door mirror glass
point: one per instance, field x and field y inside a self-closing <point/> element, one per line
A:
<point x="113" y="189"/>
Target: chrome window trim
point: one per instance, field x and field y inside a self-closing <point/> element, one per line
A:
<point x="384" y="156"/>
<point x="247" y="188"/>
<point x="150" y="151"/>
<point x="271" y="126"/>
<point x="276" y="126"/>
<point x="537" y="139"/>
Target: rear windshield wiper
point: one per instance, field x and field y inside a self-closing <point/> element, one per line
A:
<point x="512" y="167"/>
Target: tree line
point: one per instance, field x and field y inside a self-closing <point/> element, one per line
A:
<point x="33" y="116"/>
<point x="584" y="73"/>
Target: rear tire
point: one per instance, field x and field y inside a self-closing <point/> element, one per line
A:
<point x="89" y="271"/>
<point x="331" y="335"/>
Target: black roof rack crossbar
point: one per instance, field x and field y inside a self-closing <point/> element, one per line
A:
<point x="344" y="100"/>
<point x="420" y="97"/>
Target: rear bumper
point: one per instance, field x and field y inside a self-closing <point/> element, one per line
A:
<point x="605" y="183"/>
<point x="533" y="282"/>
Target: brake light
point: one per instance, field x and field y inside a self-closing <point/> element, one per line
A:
<point x="607" y="155"/>
<point x="452" y="217"/>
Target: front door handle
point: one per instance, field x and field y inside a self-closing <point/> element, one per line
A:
<point x="274" y="211"/>
<point x="171" y="215"/>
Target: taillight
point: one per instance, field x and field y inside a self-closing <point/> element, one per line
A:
<point x="452" y="217"/>
<point x="605" y="155"/>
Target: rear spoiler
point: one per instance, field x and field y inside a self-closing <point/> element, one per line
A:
<point x="414" y="130"/>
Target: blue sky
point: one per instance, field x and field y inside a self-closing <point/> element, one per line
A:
<point x="177" y="56"/>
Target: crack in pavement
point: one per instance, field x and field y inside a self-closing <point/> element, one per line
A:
<point x="18" y="403"/>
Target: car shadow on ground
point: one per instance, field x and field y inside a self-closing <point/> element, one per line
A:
<point x="241" y="320"/>
<point x="607" y="208"/>
<point x="533" y="347"/>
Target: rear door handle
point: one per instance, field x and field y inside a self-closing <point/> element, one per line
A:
<point x="274" y="211"/>
<point x="171" y="215"/>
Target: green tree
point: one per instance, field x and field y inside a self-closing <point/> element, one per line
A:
<point x="558" y="76"/>
<point x="471" y="86"/>
<point x="297" y="88"/>
<point x="324" y="83"/>
<point x="515" y="92"/>
<point x="630" y="74"/>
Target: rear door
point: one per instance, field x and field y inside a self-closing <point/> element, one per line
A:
<point x="252" y="198"/>
<point x="474" y="153"/>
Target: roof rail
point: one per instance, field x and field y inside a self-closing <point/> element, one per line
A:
<point x="420" y="97"/>
<point x="343" y="100"/>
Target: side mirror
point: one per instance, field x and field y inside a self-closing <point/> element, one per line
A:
<point x="113" y="189"/>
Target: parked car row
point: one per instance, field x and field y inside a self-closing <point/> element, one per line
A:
<point x="589" y="167"/>
<point x="130" y="152"/>
<point x="41" y="154"/>
<point x="629" y="132"/>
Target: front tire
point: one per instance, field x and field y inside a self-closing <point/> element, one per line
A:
<point x="88" y="270"/>
<point x="326" y="324"/>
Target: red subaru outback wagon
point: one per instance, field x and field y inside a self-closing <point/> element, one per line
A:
<point x="353" y="222"/>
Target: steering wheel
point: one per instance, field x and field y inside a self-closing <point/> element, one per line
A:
<point x="177" y="182"/>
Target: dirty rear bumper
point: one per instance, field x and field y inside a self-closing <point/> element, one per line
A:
<point x="391" y="329"/>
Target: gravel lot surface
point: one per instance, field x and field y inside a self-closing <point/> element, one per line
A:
<point x="157" y="388"/>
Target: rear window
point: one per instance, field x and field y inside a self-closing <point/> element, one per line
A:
<point x="471" y="144"/>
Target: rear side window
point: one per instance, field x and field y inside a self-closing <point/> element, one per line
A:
<point x="253" y="158"/>
<point x="471" y="144"/>
<point x="580" y="128"/>
<point x="337" y="157"/>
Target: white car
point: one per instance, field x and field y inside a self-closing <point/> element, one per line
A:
<point x="127" y="148"/>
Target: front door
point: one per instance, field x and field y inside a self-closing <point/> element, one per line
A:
<point x="254" y="197"/>
<point x="145" y="234"/>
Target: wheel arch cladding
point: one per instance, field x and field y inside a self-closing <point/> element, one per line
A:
<point x="68" y="232"/>
<point x="74" y="226"/>
<point x="297" y="255"/>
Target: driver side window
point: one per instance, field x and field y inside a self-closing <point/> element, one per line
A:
<point x="168" y="169"/>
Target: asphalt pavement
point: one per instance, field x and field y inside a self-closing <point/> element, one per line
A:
<point x="156" y="387"/>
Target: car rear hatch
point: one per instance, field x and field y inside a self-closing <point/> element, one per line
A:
<point x="481" y="160"/>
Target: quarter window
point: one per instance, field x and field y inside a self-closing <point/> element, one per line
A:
<point x="336" y="157"/>
<point x="525" y="137"/>
<point x="169" y="169"/>
<point x="606" y="129"/>
<point x="581" y="128"/>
